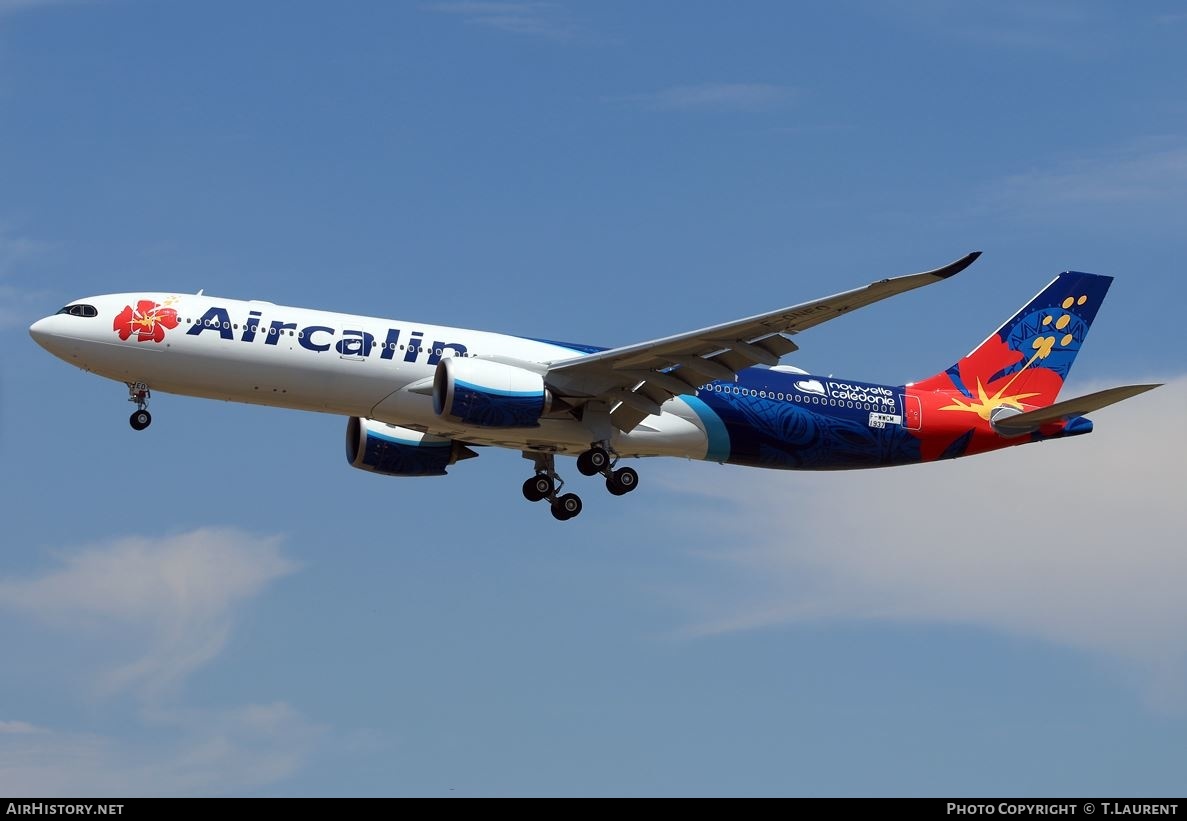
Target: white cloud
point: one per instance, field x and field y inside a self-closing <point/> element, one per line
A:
<point x="529" y="18"/>
<point x="1149" y="174"/>
<point x="173" y="597"/>
<point x="1078" y="542"/>
<point x="1052" y="25"/>
<point x="13" y="6"/>
<point x="16" y="250"/>
<point x="20" y="306"/>
<point x="18" y="727"/>
<point x="714" y="97"/>
<point x="169" y="603"/>
<point x="201" y="753"/>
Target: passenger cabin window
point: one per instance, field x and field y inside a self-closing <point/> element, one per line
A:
<point x="79" y="310"/>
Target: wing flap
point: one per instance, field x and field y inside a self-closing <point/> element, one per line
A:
<point x="753" y="351"/>
<point x="655" y="393"/>
<point x="673" y="382"/>
<point x="626" y="418"/>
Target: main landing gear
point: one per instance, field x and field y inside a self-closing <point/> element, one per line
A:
<point x="546" y="484"/>
<point x="138" y="392"/>
<point x="598" y="460"/>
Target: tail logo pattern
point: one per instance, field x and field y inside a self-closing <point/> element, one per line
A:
<point x="983" y="403"/>
<point x="1020" y="367"/>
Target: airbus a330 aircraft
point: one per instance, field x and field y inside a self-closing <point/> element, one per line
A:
<point x="419" y="396"/>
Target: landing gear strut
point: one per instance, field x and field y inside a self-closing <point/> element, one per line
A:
<point x="138" y="392"/>
<point x="545" y="485"/>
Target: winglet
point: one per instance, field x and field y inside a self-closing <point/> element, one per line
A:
<point x="954" y="268"/>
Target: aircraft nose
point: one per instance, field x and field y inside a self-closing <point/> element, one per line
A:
<point x="58" y="337"/>
<point x="40" y="331"/>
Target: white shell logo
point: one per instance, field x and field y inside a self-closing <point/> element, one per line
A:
<point x="810" y="386"/>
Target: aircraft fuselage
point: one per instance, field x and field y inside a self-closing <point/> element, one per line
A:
<point x="381" y="369"/>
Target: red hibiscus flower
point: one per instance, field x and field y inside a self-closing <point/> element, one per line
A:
<point x="960" y="408"/>
<point x="148" y="321"/>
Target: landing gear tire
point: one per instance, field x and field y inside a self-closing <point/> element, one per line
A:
<point x="138" y="393"/>
<point x="622" y="481"/>
<point x="566" y="507"/>
<point x="537" y="488"/>
<point x="593" y="461"/>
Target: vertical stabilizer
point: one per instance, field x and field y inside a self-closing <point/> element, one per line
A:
<point x="1024" y="363"/>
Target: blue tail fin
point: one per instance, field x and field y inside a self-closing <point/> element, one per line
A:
<point x="1026" y="360"/>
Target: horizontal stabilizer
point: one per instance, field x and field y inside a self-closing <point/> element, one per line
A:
<point x="1069" y="409"/>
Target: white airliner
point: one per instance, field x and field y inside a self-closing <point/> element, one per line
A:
<point x="419" y="396"/>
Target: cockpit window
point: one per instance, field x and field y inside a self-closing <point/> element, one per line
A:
<point x="79" y="310"/>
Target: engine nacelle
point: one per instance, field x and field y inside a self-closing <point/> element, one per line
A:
<point x="396" y="451"/>
<point x="489" y="394"/>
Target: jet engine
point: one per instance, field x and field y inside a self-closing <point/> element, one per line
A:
<point x="395" y="451"/>
<point x="489" y="394"/>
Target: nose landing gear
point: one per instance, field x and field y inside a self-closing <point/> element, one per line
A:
<point x="139" y="393"/>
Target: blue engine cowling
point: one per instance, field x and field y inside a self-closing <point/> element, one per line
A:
<point x="396" y="451"/>
<point x="489" y="394"/>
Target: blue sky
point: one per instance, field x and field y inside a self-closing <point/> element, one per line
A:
<point x="221" y="605"/>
